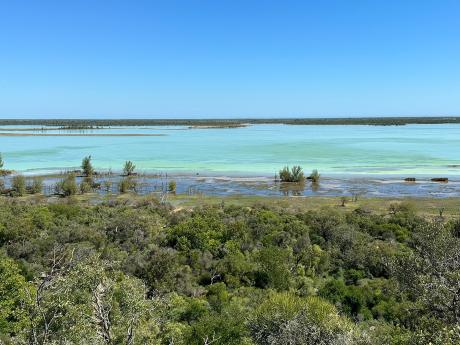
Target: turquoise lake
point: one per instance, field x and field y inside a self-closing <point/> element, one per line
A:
<point x="411" y="150"/>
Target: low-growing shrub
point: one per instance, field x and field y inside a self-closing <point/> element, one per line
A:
<point x="314" y="176"/>
<point x="19" y="185"/>
<point x="36" y="186"/>
<point x="172" y="187"/>
<point x="127" y="184"/>
<point x="67" y="186"/>
<point x="294" y="174"/>
<point x="87" y="167"/>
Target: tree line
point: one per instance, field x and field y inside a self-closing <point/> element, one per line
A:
<point x="98" y="123"/>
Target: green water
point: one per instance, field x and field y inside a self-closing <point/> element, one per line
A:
<point x="253" y="150"/>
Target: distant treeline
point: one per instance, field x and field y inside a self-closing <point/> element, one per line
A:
<point x="92" y="123"/>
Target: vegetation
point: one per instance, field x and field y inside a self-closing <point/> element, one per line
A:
<point x="67" y="186"/>
<point x="127" y="184"/>
<point x="141" y="272"/>
<point x="87" y="167"/>
<point x="99" y="123"/>
<point x="294" y="174"/>
<point x="37" y="185"/>
<point x="172" y="186"/>
<point x="19" y="185"/>
<point x="314" y="176"/>
<point x="85" y="186"/>
<point x="3" y="172"/>
<point x="128" y="168"/>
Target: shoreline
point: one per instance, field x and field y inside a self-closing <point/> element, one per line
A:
<point x="231" y="175"/>
<point x="261" y="186"/>
<point x="237" y="175"/>
<point x="79" y="135"/>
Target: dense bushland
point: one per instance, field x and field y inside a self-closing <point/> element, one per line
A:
<point x="147" y="274"/>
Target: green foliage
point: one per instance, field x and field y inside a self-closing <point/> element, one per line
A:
<point x="85" y="187"/>
<point x="294" y="174"/>
<point x="127" y="184"/>
<point x="13" y="288"/>
<point x="314" y="176"/>
<point x="19" y="185"/>
<point x="87" y="167"/>
<point x="67" y="186"/>
<point x="107" y="185"/>
<point x="288" y="319"/>
<point x="37" y="185"/>
<point x="1" y="161"/>
<point x="172" y="186"/>
<point x="224" y="275"/>
<point x="274" y="268"/>
<point x="128" y="168"/>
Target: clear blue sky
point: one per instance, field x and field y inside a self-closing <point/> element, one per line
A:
<point x="91" y="58"/>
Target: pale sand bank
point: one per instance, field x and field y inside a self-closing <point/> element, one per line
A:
<point x="79" y="135"/>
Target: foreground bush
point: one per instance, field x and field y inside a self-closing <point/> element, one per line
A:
<point x="286" y="319"/>
<point x="140" y="272"/>
<point x="314" y="176"/>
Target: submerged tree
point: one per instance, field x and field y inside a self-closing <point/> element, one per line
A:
<point x="36" y="186"/>
<point x="129" y="167"/>
<point x="19" y="185"/>
<point x="127" y="184"/>
<point x="86" y="166"/>
<point x="67" y="186"/>
<point x="172" y="187"/>
<point x="314" y="176"/>
<point x="294" y="174"/>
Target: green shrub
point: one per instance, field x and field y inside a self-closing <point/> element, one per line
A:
<point x="172" y="187"/>
<point x="314" y="176"/>
<point x="127" y="184"/>
<point x="86" y="166"/>
<point x="1" y="161"/>
<point x="67" y="186"/>
<point x="37" y="185"/>
<point x="107" y="185"/>
<point x="128" y="169"/>
<point x="19" y="185"/>
<point x="294" y="174"/>
<point x="285" y="318"/>
<point x="85" y="187"/>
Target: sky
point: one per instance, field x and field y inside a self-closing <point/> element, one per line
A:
<point x="248" y="58"/>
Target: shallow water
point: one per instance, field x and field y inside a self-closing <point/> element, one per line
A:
<point x="411" y="150"/>
<point x="222" y="186"/>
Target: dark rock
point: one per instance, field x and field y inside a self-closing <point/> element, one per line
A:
<point x="440" y="179"/>
<point x="410" y="179"/>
